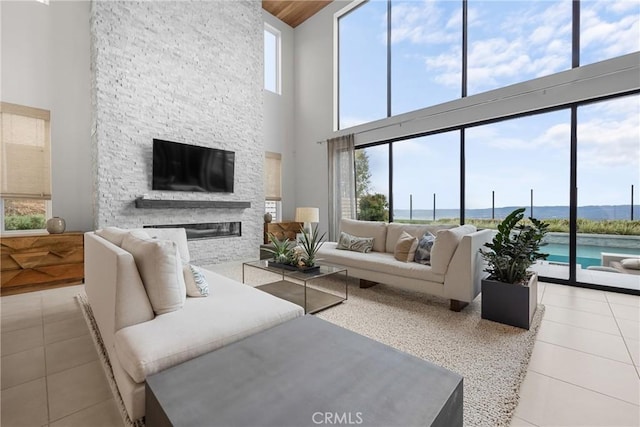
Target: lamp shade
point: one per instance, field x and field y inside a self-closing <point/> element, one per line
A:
<point x="307" y="215"/>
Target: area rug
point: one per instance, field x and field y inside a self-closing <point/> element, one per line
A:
<point x="492" y="357"/>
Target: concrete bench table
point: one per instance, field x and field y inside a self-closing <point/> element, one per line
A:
<point x="305" y="372"/>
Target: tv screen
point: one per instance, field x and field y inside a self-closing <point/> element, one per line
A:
<point x="183" y="167"/>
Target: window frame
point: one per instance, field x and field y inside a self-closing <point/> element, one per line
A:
<point x="278" y="59"/>
<point x="46" y="116"/>
<point x="4" y="232"/>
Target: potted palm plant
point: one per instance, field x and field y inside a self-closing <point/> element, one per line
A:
<point x="510" y="292"/>
<point x="301" y="257"/>
<point x="310" y="243"/>
<point x="281" y="251"/>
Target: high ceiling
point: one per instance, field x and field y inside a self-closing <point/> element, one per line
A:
<point x="294" y="12"/>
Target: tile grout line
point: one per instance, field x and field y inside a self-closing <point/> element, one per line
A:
<point x="626" y="345"/>
<point x="586" y="352"/>
<point x="523" y="419"/>
<point x="584" y="388"/>
<point x="578" y="309"/>
<point x="582" y="327"/>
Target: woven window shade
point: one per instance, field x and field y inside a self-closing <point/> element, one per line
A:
<point x="25" y="152"/>
<point x="273" y="176"/>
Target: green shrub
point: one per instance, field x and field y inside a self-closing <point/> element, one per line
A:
<point x="374" y="207"/>
<point x="24" y="222"/>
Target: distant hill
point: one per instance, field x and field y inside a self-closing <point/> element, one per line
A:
<point x="603" y="212"/>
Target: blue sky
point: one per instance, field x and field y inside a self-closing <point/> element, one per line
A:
<point x="509" y="42"/>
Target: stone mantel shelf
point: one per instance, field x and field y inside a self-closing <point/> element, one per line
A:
<point x="142" y="203"/>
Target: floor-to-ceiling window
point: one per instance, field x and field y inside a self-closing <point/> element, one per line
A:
<point x="518" y="163"/>
<point x="372" y="183"/>
<point x="362" y="55"/>
<point x="514" y="41"/>
<point x="426" y="53"/>
<point x="426" y="178"/>
<point x="516" y="143"/>
<point x="608" y="227"/>
<point x="608" y="29"/>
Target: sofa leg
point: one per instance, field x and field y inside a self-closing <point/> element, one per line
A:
<point x="366" y="283"/>
<point x="455" y="305"/>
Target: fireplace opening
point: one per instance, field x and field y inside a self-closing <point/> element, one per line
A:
<point x="207" y="230"/>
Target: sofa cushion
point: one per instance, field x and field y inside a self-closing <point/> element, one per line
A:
<point x="423" y="251"/>
<point x="375" y="229"/>
<point x="203" y="325"/>
<point x="354" y="243"/>
<point x="406" y="246"/>
<point x="445" y="246"/>
<point x="195" y="282"/>
<point x="160" y="268"/>
<point x="113" y="234"/>
<point x="378" y="262"/>
<point x="631" y="263"/>
<point x="177" y="235"/>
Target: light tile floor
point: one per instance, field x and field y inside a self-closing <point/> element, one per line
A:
<point x="584" y="370"/>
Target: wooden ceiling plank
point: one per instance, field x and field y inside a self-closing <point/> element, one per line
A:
<point x="294" y="13"/>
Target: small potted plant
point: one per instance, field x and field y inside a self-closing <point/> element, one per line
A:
<point x="282" y="251"/>
<point x="510" y="292"/>
<point x="310" y="243"/>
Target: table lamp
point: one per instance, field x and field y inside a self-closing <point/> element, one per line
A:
<point x="307" y="216"/>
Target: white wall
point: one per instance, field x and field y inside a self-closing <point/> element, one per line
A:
<point x="279" y="117"/>
<point x="313" y="56"/>
<point x="45" y="64"/>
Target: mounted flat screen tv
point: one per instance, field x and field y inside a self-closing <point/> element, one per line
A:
<point x="184" y="167"/>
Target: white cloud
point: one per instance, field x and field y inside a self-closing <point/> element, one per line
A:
<point x="557" y="136"/>
<point x="424" y="22"/>
<point x="529" y="42"/>
<point x="609" y="134"/>
<point x="609" y="28"/>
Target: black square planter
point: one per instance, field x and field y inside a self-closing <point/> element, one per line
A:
<point x="508" y="303"/>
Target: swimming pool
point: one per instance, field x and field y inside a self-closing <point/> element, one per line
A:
<point x="587" y="255"/>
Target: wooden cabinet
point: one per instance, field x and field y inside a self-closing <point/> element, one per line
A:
<point x="285" y="229"/>
<point x="33" y="263"/>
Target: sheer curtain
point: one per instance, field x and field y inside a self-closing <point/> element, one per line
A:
<point x="342" y="188"/>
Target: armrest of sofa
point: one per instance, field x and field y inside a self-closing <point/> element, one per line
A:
<point x="465" y="271"/>
<point x="114" y="288"/>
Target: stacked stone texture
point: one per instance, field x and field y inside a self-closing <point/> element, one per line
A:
<point x="184" y="71"/>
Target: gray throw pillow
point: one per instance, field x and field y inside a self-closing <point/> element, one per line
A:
<point x="354" y="243"/>
<point x="423" y="253"/>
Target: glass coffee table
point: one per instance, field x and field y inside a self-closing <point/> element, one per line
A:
<point x="294" y="285"/>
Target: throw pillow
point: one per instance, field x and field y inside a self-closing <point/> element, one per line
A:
<point x="445" y="246"/>
<point x="160" y="269"/>
<point x="423" y="251"/>
<point x="631" y="263"/>
<point x="195" y="281"/>
<point x="354" y="243"/>
<point x="406" y="247"/>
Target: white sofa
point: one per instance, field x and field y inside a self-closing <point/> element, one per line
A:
<point x="140" y="343"/>
<point x="456" y="265"/>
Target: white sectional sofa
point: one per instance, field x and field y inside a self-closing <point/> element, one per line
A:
<point x="455" y="269"/>
<point x="140" y="342"/>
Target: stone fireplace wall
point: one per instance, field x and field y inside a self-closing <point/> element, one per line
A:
<point x="184" y="71"/>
